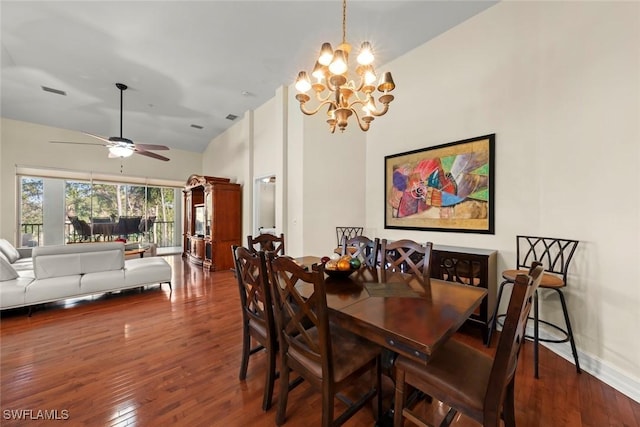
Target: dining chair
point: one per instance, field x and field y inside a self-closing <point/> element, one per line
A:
<point x="407" y="257"/>
<point x="466" y="379"/>
<point x="363" y="248"/>
<point x="145" y="227"/>
<point x="258" y="322"/>
<point x="556" y="255"/>
<point x="266" y="242"/>
<point x="327" y="357"/>
<point x="348" y="233"/>
<point x="81" y="228"/>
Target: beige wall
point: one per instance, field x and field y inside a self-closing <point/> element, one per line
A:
<point x="27" y="144"/>
<point x="559" y="84"/>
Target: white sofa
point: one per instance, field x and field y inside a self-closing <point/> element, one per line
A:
<point x="57" y="272"/>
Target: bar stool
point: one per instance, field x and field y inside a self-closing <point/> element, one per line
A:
<point x="555" y="255"/>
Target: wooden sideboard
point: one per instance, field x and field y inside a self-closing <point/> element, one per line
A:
<point x="473" y="267"/>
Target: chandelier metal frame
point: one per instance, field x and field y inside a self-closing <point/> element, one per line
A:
<point x="341" y="95"/>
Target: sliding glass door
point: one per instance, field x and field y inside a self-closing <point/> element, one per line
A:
<point x="80" y="210"/>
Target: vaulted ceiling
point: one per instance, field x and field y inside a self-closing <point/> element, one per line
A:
<point x="185" y="62"/>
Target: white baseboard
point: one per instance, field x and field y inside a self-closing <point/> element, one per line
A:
<point x="606" y="373"/>
<point x="601" y="370"/>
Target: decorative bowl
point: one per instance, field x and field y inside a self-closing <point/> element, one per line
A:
<point x="339" y="273"/>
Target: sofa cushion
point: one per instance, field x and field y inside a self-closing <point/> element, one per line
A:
<point x="103" y="281"/>
<point x="23" y="264"/>
<point x="143" y="271"/>
<point x="9" y="251"/>
<point x="81" y="258"/>
<point x="53" y="289"/>
<point x="7" y="272"/>
<point x="12" y="292"/>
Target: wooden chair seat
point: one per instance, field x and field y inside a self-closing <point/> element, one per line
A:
<point x="548" y="280"/>
<point x="457" y="372"/>
<point x="258" y="330"/>
<point x="349" y="352"/>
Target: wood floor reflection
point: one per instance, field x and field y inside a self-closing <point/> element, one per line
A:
<point x="158" y="357"/>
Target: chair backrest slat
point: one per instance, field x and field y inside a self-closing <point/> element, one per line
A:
<point x="267" y="242"/>
<point x="347" y="233"/>
<point x="406" y="256"/>
<point x="555" y="254"/>
<point x="363" y="248"/>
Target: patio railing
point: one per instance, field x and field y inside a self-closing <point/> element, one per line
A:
<point x="161" y="233"/>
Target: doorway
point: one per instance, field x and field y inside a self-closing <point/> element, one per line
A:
<point x="265" y="205"/>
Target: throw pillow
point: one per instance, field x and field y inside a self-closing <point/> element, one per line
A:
<point x="6" y="271"/>
<point x="9" y="251"/>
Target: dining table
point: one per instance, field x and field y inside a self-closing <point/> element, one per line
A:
<point x="401" y="313"/>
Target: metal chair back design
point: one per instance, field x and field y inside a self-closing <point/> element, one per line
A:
<point x="347" y="233"/>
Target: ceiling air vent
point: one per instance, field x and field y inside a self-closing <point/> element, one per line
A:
<point x="52" y="90"/>
<point x="231" y="117"/>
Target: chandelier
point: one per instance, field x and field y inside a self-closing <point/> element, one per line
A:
<point x="343" y="96"/>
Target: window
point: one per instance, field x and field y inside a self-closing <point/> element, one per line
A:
<point x="58" y="210"/>
<point x="31" y="192"/>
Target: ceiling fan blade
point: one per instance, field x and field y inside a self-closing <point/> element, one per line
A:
<point x="78" y="143"/>
<point x="144" y="147"/>
<point x="153" y="155"/>
<point x="101" y="138"/>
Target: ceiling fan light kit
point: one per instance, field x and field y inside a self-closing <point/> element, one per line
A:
<point x="119" y="151"/>
<point x="343" y="96"/>
<point x="120" y="147"/>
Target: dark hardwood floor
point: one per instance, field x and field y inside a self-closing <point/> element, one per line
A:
<point x="157" y="357"/>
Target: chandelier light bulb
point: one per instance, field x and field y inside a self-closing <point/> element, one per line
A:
<point x="369" y="76"/>
<point x="302" y="82"/>
<point x="326" y="54"/>
<point x="366" y="56"/>
<point x="318" y="71"/>
<point x="339" y="63"/>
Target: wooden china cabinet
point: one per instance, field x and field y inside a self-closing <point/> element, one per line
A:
<point x="212" y="221"/>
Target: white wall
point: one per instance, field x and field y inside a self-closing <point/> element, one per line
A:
<point x="558" y="82"/>
<point x="230" y="156"/>
<point x="27" y="144"/>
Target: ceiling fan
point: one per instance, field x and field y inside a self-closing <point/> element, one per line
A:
<point x="120" y="146"/>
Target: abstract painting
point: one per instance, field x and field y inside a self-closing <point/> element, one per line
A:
<point x="447" y="187"/>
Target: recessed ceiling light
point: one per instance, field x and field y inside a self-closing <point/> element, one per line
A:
<point x="231" y="117"/>
<point x="197" y="126"/>
<point x="56" y="91"/>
